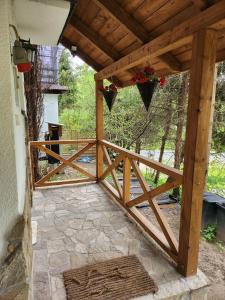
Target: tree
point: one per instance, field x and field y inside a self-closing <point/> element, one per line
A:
<point x="67" y="77"/>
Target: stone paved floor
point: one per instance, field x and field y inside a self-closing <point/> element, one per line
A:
<point x="81" y="225"/>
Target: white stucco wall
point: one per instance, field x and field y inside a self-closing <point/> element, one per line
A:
<point x="51" y="114"/>
<point x="12" y="131"/>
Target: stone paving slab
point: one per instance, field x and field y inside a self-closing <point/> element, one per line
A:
<point x="79" y="225"/>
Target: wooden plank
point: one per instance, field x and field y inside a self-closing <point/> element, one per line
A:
<point x="94" y="38"/>
<point x="126" y="179"/>
<point x="99" y="128"/>
<point x="62" y="182"/>
<point x="196" y="147"/>
<point x="84" y="56"/>
<point x="155" y="192"/>
<point x="133" y="27"/>
<point x="166" y="229"/>
<point x="144" y="185"/>
<point x="111" y="189"/>
<point x="155" y="207"/>
<point x="63" y="165"/>
<point x="113" y="172"/>
<point x="169" y="40"/>
<point x="145" y="224"/>
<point x="88" y="59"/>
<point x="112" y="166"/>
<point x="63" y="142"/>
<point x="148" y="162"/>
<point x="201" y="4"/>
<point x="70" y="164"/>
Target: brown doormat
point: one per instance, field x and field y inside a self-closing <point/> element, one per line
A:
<point x="118" y="278"/>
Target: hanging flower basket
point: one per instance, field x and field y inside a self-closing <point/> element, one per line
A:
<point x="147" y="82"/>
<point x="109" y="93"/>
<point x="146" y="91"/>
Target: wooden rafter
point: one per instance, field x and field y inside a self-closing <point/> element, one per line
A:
<point x="177" y="37"/>
<point x="88" y="60"/>
<point x="202" y="4"/>
<point x="137" y="30"/>
<point x="94" y="38"/>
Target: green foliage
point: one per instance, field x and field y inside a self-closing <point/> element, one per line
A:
<point x="67" y="77"/>
<point x="216" y="177"/>
<point x="220" y="245"/>
<point x="219" y="115"/>
<point x="209" y="233"/>
<point x="80" y="116"/>
<point x="128" y="122"/>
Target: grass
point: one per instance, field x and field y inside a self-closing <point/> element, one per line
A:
<point x="216" y="178"/>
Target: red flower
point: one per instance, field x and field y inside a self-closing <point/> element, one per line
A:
<point x="149" y="70"/>
<point x="162" y="81"/>
<point x="143" y="80"/>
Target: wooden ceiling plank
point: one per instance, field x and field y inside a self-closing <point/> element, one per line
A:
<point x="94" y="38"/>
<point x="169" y="40"/>
<point x="135" y="28"/>
<point x="202" y="4"/>
<point x="118" y="13"/>
<point x="85" y="57"/>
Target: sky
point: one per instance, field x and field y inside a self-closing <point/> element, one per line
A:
<point x="77" y="61"/>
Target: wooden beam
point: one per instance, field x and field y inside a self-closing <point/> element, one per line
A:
<point x="125" y="19"/>
<point x="174" y="38"/>
<point x="94" y="38"/>
<point x="145" y="223"/>
<point x="99" y="128"/>
<point x="62" y="182"/>
<point x="202" y="4"/>
<point x="113" y="172"/>
<point x="135" y="28"/>
<point x="196" y="147"/>
<point x="112" y="166"/>
<point x="174" y="173"/>
<point x="63" y="165"/>
<point x="65" y="161"/>
<point x="63" y="142"/>
<point x="126" y="179"/>
<point x="88" y="60"/>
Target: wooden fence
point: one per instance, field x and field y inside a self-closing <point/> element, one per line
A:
<point x="121" y="191"/>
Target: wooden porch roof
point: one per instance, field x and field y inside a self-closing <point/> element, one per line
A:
<point x="134" y="33"/>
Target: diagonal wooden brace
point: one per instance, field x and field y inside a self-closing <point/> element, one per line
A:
<point x="65" y="161"/>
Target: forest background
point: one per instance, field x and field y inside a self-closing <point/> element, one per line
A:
<point x="158" y="133"/>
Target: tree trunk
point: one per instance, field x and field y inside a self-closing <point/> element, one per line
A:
<point x="138" y="146"/>
<point x="165" y="137"/>
<point x="178" y="156"/>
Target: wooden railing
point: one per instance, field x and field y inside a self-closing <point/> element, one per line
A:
<point x="120" y="189"/>
<point x="130" y="161"/>
<point x="65" y="162"/>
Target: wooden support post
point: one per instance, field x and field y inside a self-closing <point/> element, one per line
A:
<point x="196" y="147"/>
<point x="126" y="179"/>
<point x="99" y="129"/>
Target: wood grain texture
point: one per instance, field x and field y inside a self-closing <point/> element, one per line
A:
<point x="99" y="127"/>
<point x="174" y="38"/>
<point x="196" y="147"/>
